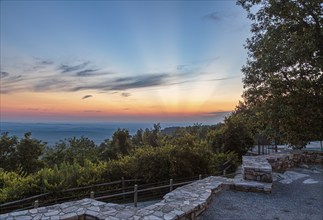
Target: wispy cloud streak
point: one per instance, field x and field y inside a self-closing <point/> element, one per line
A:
<point x="65" y="68"/>
<point x="87" y="76"/>
<point x="124" y="83"/>
<point x="125" y="94"/>
<point x="87" y="96"/>
<point x="214" y="16"/>
<point x="4" y="74"/>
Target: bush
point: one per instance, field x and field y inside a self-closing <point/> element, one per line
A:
<point x="14" y="186"/>
<point x="155" y="164"/>
<point x="217" y="161"/>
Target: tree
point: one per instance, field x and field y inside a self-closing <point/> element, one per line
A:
<point x="27" y="154"/>
<point x="7" y="150"/>
<point x="21" y="154"/>
<point x="70" y="150"/>
<point x="283" y="78"/>
<point x="232" y="136"/>
<point x="107" y="151"/>
<point x="121" y="141"/>
<point x="137" y="139"/>
<point x="152" y="137"/>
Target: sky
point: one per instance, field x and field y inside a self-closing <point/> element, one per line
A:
<point x="121" y="61"/>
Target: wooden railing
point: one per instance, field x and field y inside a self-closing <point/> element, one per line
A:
<point x="121" y="192"/>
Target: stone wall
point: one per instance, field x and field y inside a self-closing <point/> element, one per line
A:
<point x="259" y="168"/>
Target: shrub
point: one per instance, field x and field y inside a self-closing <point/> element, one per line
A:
<point x="14" y="186"/>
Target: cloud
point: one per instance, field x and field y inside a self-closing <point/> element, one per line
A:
<point x="10" y="84"/>
<point x="39" y="64"/>
<point x="92" y="111"/>
<point x="218" y="112"/>
<point x="140" y="81"/>
<point x="52" y="79"/>
<point x="93" y="72"/>
<point x="65" y="68"/>
<point x="44" y="61"/>
<point x="51" y="84"/>
<point x="124" y="83"/>
<point x="86" y="72"/>
<point x="4" y="74"/>
<point x="214" y="16"/>
<point x="181" y="67"/>
<point x="224" y="78"/>
<point x="83" y="70"/>
<point x="47" y="62"/>
<point x="144" y="81"/>
<point x="125" y="94"/>
<point x="87" y="96"/>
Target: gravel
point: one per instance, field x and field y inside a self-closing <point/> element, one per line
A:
<point x="296" y="194"/>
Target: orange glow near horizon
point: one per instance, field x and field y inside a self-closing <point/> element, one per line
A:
<point x="106" y="107"/>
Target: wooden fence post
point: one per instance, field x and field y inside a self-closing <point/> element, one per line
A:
<point x="123" y="187"/>
<point x="135" y="196"/>
<point x="171" y="185"/>
<point x="36" y="204"/>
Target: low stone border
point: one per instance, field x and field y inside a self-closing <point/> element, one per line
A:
<point x="259" y="168"/>
<point x="185" y="202"/>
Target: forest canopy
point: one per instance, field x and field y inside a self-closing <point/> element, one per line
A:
<point x="149" y="154"/>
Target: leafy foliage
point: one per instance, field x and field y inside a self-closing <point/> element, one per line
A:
<point x="7" y="151"/>
<point x="14" y="185"/>
<point x="23" y="154"/>
<point x="283" y="76"/>
<point x="76" y="162"/>
<point x="152" y="137"/>
<point x="69" y="150"/>
<point x="217" y="161"/>
<point x="232" y="136"/>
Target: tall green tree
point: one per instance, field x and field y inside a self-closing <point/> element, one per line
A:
<point x="28" y="153"/>
<point x="137" y="139"/>
<point x="7" y="151"/>
<point x="121" y="141"/>
<point x="232" y="136"/>
<point x="283" y="78"/>
<point x="153" y="137"/>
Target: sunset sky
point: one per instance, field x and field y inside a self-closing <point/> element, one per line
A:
<point x="121" y="61"/>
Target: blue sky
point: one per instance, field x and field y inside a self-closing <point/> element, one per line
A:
<point x="132" y="60"/>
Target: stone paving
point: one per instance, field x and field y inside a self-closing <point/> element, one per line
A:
<point x="296" y="195"/>
<point x="185" y="202"/>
